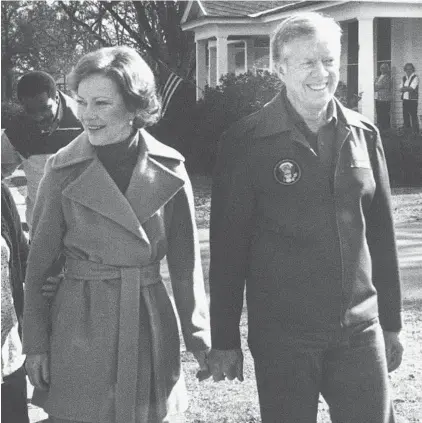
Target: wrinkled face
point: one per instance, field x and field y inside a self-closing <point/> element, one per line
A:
<point x="310" y="71"/>
<point x="102" y="110"/>
<point x="41" y="109"/>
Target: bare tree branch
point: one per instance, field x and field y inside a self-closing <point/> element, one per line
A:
<point x="83" y="24"/>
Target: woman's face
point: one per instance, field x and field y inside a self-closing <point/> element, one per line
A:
<point x="102" y="110"/>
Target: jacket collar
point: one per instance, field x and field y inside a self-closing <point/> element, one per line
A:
<point x="276" y="119"/>
<point x="81" y="150"/>
<point x="151" y="186"/>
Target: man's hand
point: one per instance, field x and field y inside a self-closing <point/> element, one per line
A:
<point x="224" y="363"/>
<point x="393" y="350"/>
<point x="202" y="359"/>
<point x="38" y="370"/>
<point x="51" y="285"/>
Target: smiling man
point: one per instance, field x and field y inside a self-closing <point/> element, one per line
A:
<point x="301" y="216"/>
<point x="47" y="123"/>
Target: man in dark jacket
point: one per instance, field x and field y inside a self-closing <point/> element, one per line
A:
<point x="48" y="123"/>
<point x="301" y="214"/>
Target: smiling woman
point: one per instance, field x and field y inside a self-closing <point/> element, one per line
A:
<point x="102" y="111"/>
<point x="114" y="203"/>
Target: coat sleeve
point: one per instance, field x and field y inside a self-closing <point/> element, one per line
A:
<point x="184" y="262"/>
<point x="382" y="245"/>
<point x="10" y="158"/>
<point x="232" y="210"/>
<point x="46" y="245"/>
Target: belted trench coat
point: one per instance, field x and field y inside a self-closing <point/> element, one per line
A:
<point x="111" y="331"/>
<point x="315" y="247"/>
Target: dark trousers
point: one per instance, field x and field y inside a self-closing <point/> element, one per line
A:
<point x="383" y="114"/>
<point x="14" y="408"/>
<point x="410" y="115"/>
<point x="348" y="368"/>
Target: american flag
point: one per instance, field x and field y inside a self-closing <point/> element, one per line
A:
<point x="168" y="89"/>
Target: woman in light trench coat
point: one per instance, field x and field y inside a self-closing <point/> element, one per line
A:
<point x="114" y="202"/>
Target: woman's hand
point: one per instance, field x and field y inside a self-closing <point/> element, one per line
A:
<point x="38" y="370"/>
<point x="51" y="285"/>
<point x="204" y="371"/>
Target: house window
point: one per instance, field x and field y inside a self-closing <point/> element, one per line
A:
<point x="383" y="26"/>
<point x="239" y="59"/>
<point x="262" y="54"/>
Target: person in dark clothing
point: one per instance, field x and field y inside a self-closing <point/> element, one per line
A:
<point x="14" y="253"/>
<point x="410" y="95"/>
<point x="301" y="215"/>
<point x="48" y="123"/>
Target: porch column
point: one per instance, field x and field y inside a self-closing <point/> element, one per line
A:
<point x="249" y="54"/>
<point x="366" y="67"/>
<point x="212" y="66"/>
<point x="272" y="67"/>
<point x="201" y="67"/>
<point x="222" y="66"/>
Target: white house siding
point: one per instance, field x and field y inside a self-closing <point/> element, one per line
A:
<point x="343" y="57"/>
<point x="406" y="46"/>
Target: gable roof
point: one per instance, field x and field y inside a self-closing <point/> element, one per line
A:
<point x="240" y="8"/>
<point x="205" y="9"/>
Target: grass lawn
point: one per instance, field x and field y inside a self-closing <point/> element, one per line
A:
<point x="237" y="402"/>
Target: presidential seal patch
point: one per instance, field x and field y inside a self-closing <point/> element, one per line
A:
<point x="287" y="172"/>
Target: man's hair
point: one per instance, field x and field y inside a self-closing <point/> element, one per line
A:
<point x="302" y="25"/>
<point x="35" y="83"/>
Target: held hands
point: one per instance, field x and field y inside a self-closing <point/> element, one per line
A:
<point x="393" y="350"/>
<point x="204" y="371"/>
<point x="38" y="370"/>
<point x="226" y="363"/>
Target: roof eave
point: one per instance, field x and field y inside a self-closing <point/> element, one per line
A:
<point x="189" y="26"/>
<point x="189" y="8"/>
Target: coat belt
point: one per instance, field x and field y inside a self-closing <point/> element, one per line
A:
<point x="136" y="344"/>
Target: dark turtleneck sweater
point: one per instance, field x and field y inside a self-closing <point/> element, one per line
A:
<point x="120" y="159"/>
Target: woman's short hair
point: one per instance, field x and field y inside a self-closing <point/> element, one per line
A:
<point x="385" y="66"/>
<point x="132" y="75"/>
<point x="302" y="25"/>
<point x="409" y="65"/>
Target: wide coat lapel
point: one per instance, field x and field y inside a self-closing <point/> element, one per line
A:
<point x="152" y="184"/>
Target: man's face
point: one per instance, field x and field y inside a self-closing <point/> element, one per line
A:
<point x="310" y="71"/>
<point x="41" y="109"/>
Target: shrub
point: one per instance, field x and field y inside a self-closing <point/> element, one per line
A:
<point x="234" y="98"/>
<point x="194" y="129"/>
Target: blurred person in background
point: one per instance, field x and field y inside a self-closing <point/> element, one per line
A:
<point x="48" y="123"/>
<point x="14" y="253"/>
<point x="383" y="97"/>
<point x="410" y="95"/>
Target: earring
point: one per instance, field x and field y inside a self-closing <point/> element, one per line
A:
<point x="131" y="122"/>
